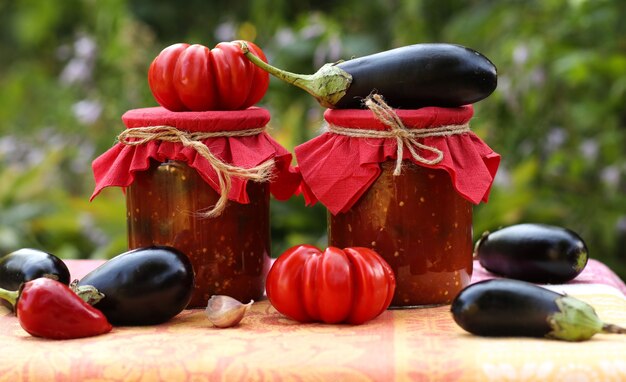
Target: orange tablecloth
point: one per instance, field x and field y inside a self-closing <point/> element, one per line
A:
<point x="419" y="344"/>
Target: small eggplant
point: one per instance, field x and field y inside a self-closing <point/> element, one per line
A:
<point x="408" y="77"/>
<point x="145" y="286"/>
<point x="533" y="252"/>
<point x="504" y="307"/>
<point x="27" y="264"/>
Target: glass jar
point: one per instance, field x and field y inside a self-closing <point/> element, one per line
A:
<point x="230" y="254"/>
<point x="171" y="164"/>
<point x="415" y="212"/>
<point x="420" y="225"/>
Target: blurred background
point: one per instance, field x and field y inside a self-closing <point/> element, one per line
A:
<point x="69" y="69"/>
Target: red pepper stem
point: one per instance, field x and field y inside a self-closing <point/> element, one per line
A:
<point x="9" y="296"/>
<point x="328" y="85"/>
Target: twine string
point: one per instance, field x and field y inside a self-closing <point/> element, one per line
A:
<point x="261" y="173"/>
<point x="405" y="137"/>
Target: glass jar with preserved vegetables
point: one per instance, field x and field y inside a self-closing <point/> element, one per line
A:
<point x="201" y="182"/>
<point x="415" y="211"/>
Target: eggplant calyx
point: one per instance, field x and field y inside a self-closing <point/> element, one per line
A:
<point x="328" y="85"/>
<point x="10" y="296"/>
<point x="581" y="262"/>
<point x="575" y="320"/>
<point x="51" y="276"/>
<point x="479" y="242"/>
<point x="88" y="293"/>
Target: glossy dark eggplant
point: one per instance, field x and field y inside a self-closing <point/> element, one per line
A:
<point x="28" y="264"/>
<point x="504" y="307"/>
<point x="533" y="252"/>
<point x="145" y="286"/>
<point x="408" y="77"/>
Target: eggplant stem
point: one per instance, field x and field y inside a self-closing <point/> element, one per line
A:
<point x="87" y="293"/>
<point x="328" y="85"/>
<point x="613" y="329"/>
<point x="10" y="296"/>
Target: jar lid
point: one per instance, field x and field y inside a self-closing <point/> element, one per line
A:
<point x="198" y="121"/>
<point x="425" y="117"/>
<point x="339" y="166"/>
<point x="118" y="165"/>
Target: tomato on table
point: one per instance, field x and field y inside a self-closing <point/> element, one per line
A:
<point x="351" y="285"/>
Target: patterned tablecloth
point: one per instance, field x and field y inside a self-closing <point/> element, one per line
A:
<point x="401" y="345"/>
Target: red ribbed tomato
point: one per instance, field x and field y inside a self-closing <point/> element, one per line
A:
<point x="353" y="285"/>
<point x="193" y="77"/>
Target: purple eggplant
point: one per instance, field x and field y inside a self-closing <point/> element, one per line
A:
<point x="513" y="308"/>
<point x="145" y="286"/>
<point x="27" y="264"/>
<point x="408" y="77"/>
<point x="533" y="252"/>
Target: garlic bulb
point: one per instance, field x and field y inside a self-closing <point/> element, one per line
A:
<point x="225" y="311"/>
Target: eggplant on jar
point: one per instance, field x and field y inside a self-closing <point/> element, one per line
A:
<point x="514" y="308"/>
<point x="144" y="286"/>
<point x="409" y="77"/>
<point x="532" y="252"/>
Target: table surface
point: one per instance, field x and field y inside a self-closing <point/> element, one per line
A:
<point x="416" y="344"/>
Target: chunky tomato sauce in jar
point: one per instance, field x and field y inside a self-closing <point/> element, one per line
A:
<point x="230" y="254"/>
<point x="415" y="212"/>
<point x="201" y="182"/>
<point x="420" y="225"/>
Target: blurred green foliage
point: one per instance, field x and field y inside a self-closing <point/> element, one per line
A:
<point x="70" y="69"/>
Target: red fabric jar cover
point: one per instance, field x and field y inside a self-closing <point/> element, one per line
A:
<point x="118" y="165"/>
<point x="337" y="169"/>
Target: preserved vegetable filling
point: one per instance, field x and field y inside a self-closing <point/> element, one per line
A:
<point x="230" y="253"/>
<point x="420" y="225"/>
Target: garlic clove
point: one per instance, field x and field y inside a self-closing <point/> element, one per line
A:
<point x="225" y="311"/>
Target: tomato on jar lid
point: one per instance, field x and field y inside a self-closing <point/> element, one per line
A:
<point x="186" y="77"/>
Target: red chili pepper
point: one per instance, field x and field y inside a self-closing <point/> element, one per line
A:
<point x="50" y="309"/>
<point x="193" y="77"/>
<point x="353" y="285"/>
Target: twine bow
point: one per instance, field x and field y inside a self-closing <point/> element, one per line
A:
<point x="261" y="173"/>
<point x="404" y="137"/>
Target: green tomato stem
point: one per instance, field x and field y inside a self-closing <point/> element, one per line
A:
<point x="328" y="85"/>
<point x="10" y="296"/>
